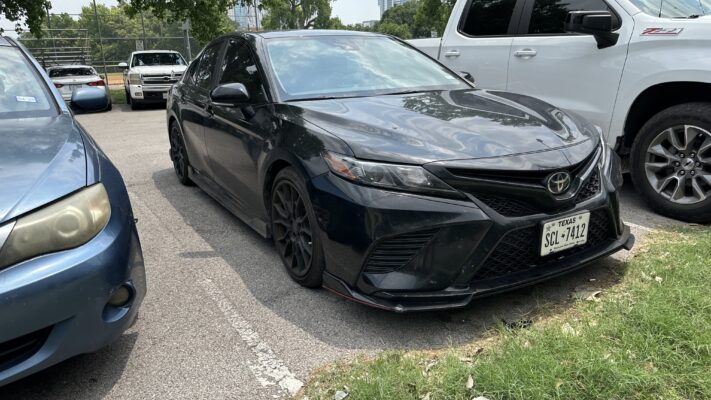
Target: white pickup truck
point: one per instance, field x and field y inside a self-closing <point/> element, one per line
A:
<point x="148" y="75"/>
<point x="638" y="69"/>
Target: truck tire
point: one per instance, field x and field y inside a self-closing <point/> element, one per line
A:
<point x="135" y="105"/>
<point x="671" y="162"/>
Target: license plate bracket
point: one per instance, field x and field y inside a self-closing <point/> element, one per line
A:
<point x="564" y="233"/>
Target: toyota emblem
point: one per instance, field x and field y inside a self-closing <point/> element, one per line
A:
<point x="559" y="182"/>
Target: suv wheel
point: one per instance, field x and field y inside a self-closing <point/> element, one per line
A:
<point x="294" y="229"/>
<point x="671" y="162"/>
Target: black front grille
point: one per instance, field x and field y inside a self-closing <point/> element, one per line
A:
<point x="518" y="250"/>
<point x="20" y="349"/>
<point x="590" y="187"/>
<point x="392" y="254"/>
<point x="506" y="206"/>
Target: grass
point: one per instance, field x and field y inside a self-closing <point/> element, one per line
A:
<point x="118" y="96"/>
<point x="648" y="338"/>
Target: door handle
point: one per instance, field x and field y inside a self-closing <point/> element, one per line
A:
<point x="451" y="53"/>
<point x="525" y="53"/>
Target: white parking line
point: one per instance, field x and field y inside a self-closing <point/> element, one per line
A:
<point x="269" y="369"/>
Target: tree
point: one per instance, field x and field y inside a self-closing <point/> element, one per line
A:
<point x="296" y="14"/>
<point x="208" y="19"/>
<point x="434" y="14"/>
<point x="403" y="16"/>
<point x="33" y="12"/>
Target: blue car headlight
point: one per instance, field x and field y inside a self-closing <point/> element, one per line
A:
<point x="409" y="178"/>
<point x="63" y="225"/>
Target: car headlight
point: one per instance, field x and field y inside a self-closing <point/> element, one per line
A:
<point x="604" y="159"/>
<point x="63" y="225"/>
<point x="134" y="78"/>
<point x="410" y="178"/>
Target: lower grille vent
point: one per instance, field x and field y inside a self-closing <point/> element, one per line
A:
<point x="506" y="206"/>
<point x="394" y="253"/>
<point x="518" y="251"/>
<point x="20" y="349"/>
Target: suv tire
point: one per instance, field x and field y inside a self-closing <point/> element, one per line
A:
<point x="671" y="162"/>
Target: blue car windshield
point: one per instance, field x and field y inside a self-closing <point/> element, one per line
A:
<point x="350" y="65"/>
<point x="23" y="94"/>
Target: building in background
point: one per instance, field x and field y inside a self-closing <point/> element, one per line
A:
<point x="247" y="18"/>
<point x="369" y="24"/>
<point x="388" y="4"/>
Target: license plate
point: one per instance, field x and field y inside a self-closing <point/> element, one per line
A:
<point x="165" y="96"/>
<point x="564" y="233"/>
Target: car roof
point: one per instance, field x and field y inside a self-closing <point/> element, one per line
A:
<point x="312" y="33"/>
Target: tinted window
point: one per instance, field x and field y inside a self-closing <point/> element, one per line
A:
<point x="549" y="15"/>
<point x="348" y="65"/>
<point x="674" y="8"/>
<point x="77" y="71"/>
<point x="239" y="66"/>
<point x="144" y="59"/>
<point x="203" y="75"/>
<point x="22" y="92"/>
<point x="488" y="17"/>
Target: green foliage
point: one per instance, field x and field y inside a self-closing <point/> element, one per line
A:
<point x="400" y="21"/>
<point x="648" y="338"/>
<point x="208" y="19"/>
<point x="432" y="15"/>
<point x="32" y="12"/>
<point x="296" y="14"/>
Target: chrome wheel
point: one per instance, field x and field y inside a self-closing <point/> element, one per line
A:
<point x="678" y="164"/>
<point x="292" y="230"/>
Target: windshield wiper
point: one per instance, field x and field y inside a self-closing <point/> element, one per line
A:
<point x="405" y="92"/>
<point x="321" y="98"/>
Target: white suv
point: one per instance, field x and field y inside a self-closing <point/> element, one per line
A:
<point x="638" y="69"/>
<point x="148" y="75"/>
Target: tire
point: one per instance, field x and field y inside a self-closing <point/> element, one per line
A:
<point x="675" y="186"/>
<point x="135" y="105"/>
<point x="128" y="96"/>
<point x="293" y="223"/>
<point x="179" y="156"/>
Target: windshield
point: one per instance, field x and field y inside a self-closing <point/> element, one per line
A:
<point x="674" y="8"/>
<point x="148" y="59"/>
<point x="74" y="71"/>
<point x="22" y="92"/>
<point x="342" y="66"/>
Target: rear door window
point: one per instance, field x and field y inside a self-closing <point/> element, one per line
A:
<point x="488" y="18"/>
<point x="23" y="92"/>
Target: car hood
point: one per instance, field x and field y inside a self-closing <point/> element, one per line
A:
<point x="449" y="125"/>
<point x="159" y="69"/>
<point x="41" y="160"/>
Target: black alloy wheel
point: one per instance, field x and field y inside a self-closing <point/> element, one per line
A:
<point x="179" y="156"/>
<point x="671" y="162"/>
<point x="294" y="229"/>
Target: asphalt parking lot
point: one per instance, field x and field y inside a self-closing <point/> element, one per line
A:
<point x="222" y="319"/>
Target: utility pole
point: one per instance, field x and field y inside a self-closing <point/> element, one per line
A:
<point x="143" y="26"/>
<point x="51" y="36"/>
<point x="101" y="42"/>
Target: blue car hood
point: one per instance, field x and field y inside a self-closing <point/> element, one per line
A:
<point x="41" y="160"/>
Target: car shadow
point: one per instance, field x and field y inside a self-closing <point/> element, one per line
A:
<point x="87" y="376"/>
<point x="343" y="323"/>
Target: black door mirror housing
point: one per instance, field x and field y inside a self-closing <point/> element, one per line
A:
<point x="229" y="94"/>
<point x="467" y="76"/>
<point x="596" y="23"/>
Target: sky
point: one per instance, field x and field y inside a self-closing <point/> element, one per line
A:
<point x="349" y="11"/>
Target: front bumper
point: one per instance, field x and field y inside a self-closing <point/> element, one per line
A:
<point x="149" y="93"/>
<point x="435" y="253"/>
<point x="54" y="307"/>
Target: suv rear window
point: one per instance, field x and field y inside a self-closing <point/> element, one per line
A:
<point x="23" y="94"/>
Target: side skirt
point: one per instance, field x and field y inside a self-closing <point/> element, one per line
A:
<point x="227" y="201"/>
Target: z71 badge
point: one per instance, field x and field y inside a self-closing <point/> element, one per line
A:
<point x="662" y="31"/>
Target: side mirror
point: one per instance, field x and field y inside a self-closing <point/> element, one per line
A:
<point x="466" y="75"/>
<point x="596" y="23"/>
<point x="229" y="94"/>
<point x="89" y="100"/>
<point x="122" y="65"/>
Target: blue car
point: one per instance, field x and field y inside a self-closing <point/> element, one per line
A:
<point x="71" y="268"/>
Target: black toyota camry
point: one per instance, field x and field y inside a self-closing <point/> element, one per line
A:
<point x="387" y="178"/>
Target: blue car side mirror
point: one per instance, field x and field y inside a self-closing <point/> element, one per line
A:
<point x="89" y="99"/>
